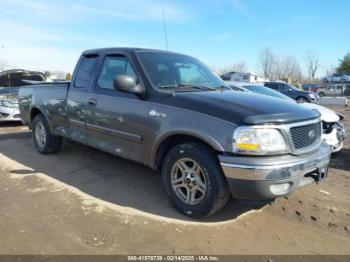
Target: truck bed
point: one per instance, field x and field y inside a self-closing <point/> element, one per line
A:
<point x="50" y="97"/>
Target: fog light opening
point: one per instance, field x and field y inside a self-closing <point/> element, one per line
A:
<point x="280" y="189"/>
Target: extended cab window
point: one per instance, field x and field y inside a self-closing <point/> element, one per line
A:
<point x="85" y="70"/>
<point x="112" y="67"/>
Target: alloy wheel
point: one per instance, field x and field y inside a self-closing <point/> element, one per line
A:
<point x="188" y="181"/>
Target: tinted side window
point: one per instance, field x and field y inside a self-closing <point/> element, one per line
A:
<point x="34" y="77"/>
<point x="84" y="72"/>
<point x="272" y="85"/>
<point x="283" y="87"/>
<point x="112" y="67"/>
<point x="16" y="79"/>
<point x="4" y="80"/>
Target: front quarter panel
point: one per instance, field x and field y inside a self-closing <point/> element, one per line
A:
<point x="170" y="121"/>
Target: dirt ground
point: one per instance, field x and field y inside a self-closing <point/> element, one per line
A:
<point x="84" y="201"/>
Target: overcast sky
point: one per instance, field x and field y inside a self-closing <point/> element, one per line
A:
<point x="51" y="35"/>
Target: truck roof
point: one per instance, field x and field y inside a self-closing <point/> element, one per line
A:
<point x="123" y="49"/>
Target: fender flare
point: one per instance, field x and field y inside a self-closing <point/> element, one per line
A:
<point x="35" y="107"/>
<point x="212" y="142"/>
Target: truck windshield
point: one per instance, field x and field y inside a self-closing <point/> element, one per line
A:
<point x="168" y="71"/>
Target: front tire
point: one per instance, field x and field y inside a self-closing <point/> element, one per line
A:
<point x="194" y="181"/>
<point x="45" y="142"/>
<point x="302" y="99"/>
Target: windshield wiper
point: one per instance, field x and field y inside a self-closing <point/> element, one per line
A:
<point x="188" y="86"/>
<point x="222" y="87"/>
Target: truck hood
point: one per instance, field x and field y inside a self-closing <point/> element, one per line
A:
<point x="327" y="115"/>
<point x="240" y="107"/>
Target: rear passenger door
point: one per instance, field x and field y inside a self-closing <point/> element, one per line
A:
<point x="116" y="120"/>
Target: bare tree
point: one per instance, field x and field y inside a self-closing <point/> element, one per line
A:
<point x="330" y="70"/>
<point x="276" y="69"/>
<point x="266" y="62"/>
<point x="240" y="67"/>
<point x="290" y="68"/>
<point x="312" y="64"/>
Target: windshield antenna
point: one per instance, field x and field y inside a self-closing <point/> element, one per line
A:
<point x="164" y="28"/>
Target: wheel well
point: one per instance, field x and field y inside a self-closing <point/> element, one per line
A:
<point x="33" y="113"/>
<point x="172" y="141"/>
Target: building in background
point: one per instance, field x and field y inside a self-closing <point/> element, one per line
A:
<point x="243" y="77"/>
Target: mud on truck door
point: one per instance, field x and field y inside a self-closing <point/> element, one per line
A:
<point x="116" y="120"/>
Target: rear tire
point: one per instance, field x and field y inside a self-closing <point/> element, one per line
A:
<point x="45" y="142"/>
<point x="194" y="181"/>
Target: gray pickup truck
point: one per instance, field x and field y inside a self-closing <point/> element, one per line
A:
<point x="171" y="113"/>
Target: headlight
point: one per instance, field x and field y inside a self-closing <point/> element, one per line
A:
<point x="258" y="141"/>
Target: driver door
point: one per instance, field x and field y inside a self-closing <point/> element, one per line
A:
<point x="116" y="120"/>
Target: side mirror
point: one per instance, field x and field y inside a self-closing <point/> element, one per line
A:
<point x="126" y="83"/>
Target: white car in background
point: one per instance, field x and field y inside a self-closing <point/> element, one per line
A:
<point x="333" y="131"/>
<point x="9" y="110"/>
<point x="336" y="78"/>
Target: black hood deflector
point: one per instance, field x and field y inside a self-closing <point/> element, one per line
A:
<point x="282" y="118"/>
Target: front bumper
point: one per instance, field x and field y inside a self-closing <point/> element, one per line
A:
<point x="315" y="100"/>
<point x="9" y="114"/>
<point x="264" y="178"/>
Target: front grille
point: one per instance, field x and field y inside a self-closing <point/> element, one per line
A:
<point x="305" y="136"/>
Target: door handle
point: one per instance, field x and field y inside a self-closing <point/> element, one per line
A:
<point x="92" y="102"/>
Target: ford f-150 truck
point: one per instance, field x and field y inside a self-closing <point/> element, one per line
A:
<point x="171" y="113"/>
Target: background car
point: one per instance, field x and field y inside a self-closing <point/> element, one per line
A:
<point x="9" y="110"/>
<point x="227" y="76"/>
<point x="289" y="90"/>
<point x="340" y="77"/>
<point x="9" y="92"/>
<point x="332" y="90"/>
<point x="15" y="77"/>
<point x="311" y="87"/>
<point x="333" y="131"/>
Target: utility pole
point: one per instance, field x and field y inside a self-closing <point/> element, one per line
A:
<point x="165" y="31"/>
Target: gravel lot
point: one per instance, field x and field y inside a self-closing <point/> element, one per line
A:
<point x="84" y="201"/>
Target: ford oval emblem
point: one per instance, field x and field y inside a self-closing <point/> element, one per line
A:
<point x="312" y="134"/>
